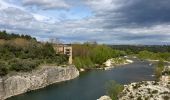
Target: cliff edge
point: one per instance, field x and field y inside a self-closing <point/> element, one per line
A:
<point x="18" y="83"/>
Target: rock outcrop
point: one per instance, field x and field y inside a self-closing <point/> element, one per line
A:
<point x="149" y="90"/>
<point x="104" y="98"/>
<point x="114" y="62"/>
<point x="19" y="83"/>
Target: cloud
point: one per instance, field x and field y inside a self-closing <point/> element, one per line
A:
<point x="47" y="4"/>
<point x="131" y="12"/>
<point x="111" y="21"/>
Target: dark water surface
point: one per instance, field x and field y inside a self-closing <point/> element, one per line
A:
<point x="91" y="85"/>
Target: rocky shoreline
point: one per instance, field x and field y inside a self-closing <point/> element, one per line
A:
<point x="18" y="83"/>
<point x="152" y="90"/>
<point x="110" y="63"/>
<point x="147" y="90"/>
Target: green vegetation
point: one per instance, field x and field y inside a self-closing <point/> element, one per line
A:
<point x="3" y="69"/>
<point x="159" y="69"/>
<point x="24" y="53"/>
<point x="89" y="55"/>
<point x="113" y="89"/>
<point x="4" y="35"/>
<point x="162" y="57"/>
<point x="154" y="56"/>
<point x="135" y="49"/>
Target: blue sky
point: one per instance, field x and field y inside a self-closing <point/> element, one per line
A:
<point x="104" y="21"/>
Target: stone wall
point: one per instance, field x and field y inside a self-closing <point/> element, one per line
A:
<point x="19" y="83"/>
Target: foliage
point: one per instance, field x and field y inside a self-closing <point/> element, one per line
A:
<point x="113" y="89"/>
<point x="154" y="56"/>
<point x="23" y="65"/>
<point x="87" y="55"/>
<point x="135" y="49"/>
<point x="83" y="62"/>
<point x="146" y="54"/>
<point x="7" y="36"/>
<point x="159" y="68"/>
<point x="3" y="69"/>
<point x="24" y="53"/>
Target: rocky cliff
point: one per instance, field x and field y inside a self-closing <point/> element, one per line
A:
<point x="19" y="83"/>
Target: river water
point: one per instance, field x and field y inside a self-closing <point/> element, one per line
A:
<point x="91" y="85"/>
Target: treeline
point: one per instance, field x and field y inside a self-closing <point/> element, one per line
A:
<point x="6" y="36"/>
<point x="92" y="55"/>
<point x="134" y="49"/>
<point x="24" y="53"/>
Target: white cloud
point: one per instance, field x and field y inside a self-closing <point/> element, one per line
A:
<point x="98" y="5"/>
<point x="17" y="19"/>
<point x="47" y="4"/>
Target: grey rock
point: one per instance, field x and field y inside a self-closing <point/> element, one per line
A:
<point x="19" y="83"/>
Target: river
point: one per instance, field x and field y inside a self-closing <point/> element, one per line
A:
<point x="91" y="85"/>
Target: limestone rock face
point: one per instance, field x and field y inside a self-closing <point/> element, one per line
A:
<point x="19" y="83"/>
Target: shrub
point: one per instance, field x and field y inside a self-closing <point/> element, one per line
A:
<point x="113" y="89"/>
<point x="3" y="69"/>
<point x="159" y="68"/>
<point x="23" y="65"/>
<point x="83" y="62"/>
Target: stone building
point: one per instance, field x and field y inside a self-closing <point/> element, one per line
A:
<point x="64" y="49"/>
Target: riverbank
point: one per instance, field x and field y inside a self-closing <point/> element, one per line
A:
<point x="110" y="64"/>
<point x="18" y="83"/>
<point x="144" y="90"/>
<point x="90" y="85"/>
<point x="115" y="62"/>
<point x="147" y="90"/>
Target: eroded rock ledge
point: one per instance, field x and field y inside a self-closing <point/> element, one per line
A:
<point x="19" y="83"/>
<point x="149" y="90"/>
<point x="145" y="90"/>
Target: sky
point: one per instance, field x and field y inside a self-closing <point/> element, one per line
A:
<point x="104" y="21"/>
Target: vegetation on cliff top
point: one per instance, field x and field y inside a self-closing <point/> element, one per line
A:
<point x="24" y="53"/>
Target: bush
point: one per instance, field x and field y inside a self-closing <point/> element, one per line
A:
<point x="23" y="65"/>
<point x="114" y="89"/>
<point x="3" y="69"/>
<point x="83" y="62"/>
<point x="159" y="68"/>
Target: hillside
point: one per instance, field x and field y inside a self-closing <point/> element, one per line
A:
<point x="25" y="53"/>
